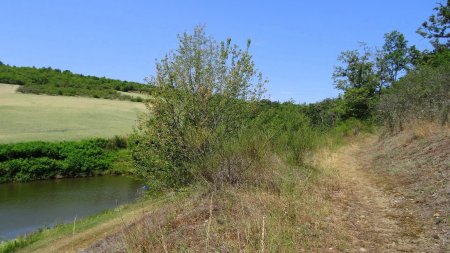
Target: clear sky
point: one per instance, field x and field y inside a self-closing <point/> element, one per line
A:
<point x="295" y="43"/>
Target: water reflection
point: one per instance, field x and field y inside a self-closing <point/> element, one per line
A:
<point x="25" y="207"/>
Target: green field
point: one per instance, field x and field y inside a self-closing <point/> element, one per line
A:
<point x="28" y="117"/>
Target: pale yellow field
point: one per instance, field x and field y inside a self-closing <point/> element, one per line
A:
<point x="28" y="117"/>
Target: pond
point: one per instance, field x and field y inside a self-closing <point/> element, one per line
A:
<point x="26" y="207"/>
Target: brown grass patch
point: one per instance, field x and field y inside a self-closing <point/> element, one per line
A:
<point x="295" y="216"/>
<point x="415" y="167"/>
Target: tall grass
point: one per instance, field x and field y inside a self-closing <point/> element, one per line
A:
<point x="258" y="192"/>
<point x="14" y="245"/>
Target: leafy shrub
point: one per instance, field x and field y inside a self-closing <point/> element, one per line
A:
<point x="326" y="113"/>
<point x="206" y="91"/>
<point x="43" y="160"/>
<point x="117" y="142"/>
<point x="240" y="160"/>
<point x="290" y="130"/>
<point x="423" y="94"/>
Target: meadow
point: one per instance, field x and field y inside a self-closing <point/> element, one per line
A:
<point x="29" y="117"/>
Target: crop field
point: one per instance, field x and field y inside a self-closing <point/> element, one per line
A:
<point x="29" y="117"/>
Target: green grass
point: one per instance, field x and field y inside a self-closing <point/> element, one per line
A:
<point x="28" y="117"/>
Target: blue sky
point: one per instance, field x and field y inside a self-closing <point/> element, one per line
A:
<point x="295" y="43"/>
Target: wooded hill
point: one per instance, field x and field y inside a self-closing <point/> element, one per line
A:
<point x="63" y="82"/>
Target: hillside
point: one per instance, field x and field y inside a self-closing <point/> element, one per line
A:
<point x="57" y="82"/>
<point x="29" y="117"/>
<point x="414" y="168"/>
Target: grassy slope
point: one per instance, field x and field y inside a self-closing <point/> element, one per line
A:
<point x="394" y="190"/>
<point x="27" y="117"/>
<point x="415" y="168"/>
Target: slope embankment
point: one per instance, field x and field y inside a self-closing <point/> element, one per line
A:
<point x="395" y="195"/>
<point x="374" y="194"/>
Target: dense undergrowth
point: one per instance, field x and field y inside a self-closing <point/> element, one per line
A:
<point x="422" y="95"/>
<point x="29" y="161"/>
<point x="56" y="82"/>
<point x="254" y="154"/>
<point x="250" y="158"/>
<point x="262" y="191"/>
<point x="209" y="123"/>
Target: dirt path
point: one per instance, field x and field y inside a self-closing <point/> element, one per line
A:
<point x="368" y="211"/>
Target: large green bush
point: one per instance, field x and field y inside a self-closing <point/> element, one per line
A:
<point x="290" y="130"/>
<point x="279" y="131"/>
<point x="206" y="91"/>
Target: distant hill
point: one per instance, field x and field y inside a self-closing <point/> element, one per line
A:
<point x="63" y="82"/>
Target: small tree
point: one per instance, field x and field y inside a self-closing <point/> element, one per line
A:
<point x="394" y="59"/>
<point x="204" y="94"/>
<point x="437" y="27"/>
<point x="357" y="70"/>
<point x="359" y="81"/>
<point x="363" y="75"/>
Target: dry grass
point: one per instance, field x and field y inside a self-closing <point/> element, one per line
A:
<point x="346" y="200"/>
<point x="415" y="166"/>
<point x="28" y="117"/>
<point x="363" y="210"/>
<point x="295" y="216"/>
<point x="391" y="194"/>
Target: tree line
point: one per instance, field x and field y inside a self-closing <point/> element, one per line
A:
<point x="395" y="83"/>
<point x="63" y="82"/>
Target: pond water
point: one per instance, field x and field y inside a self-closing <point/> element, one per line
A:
<point x="25" y="207"/>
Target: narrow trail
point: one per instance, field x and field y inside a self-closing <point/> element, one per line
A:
<point x="367" y="210"/>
